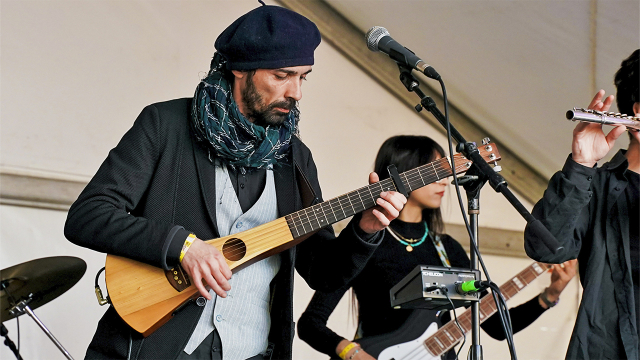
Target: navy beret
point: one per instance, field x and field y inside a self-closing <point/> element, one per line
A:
<point x="268" y="37"/>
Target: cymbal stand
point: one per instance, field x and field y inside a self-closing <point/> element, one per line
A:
<point x="5" y="333"/>
<point x="21" y="308"/>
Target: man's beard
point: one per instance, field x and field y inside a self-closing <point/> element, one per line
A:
<point x="260" y="114"/>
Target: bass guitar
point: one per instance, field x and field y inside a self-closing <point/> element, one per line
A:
<point x="420" y="338"/>
<point x="146" y="296"/>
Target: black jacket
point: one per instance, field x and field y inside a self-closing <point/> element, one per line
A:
<point x="586" y="210"/>
<point x="155" y="187"/>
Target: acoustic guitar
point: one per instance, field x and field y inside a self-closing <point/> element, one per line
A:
<point x="146" y="296"/>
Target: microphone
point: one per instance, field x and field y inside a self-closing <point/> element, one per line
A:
<point x="378" y="39"/>
<point x="464" y="288"/>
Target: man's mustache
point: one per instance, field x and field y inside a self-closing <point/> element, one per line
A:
<point x="287" y="104"/>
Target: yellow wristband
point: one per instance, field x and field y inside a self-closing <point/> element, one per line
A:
<point x="186" y="245"/>
<point x="346" y="349"/>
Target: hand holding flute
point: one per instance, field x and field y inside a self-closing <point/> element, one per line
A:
<point x="590" y="143"/>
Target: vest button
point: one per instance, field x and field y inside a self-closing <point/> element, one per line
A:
<point x="218" y="318"/>
<point x="239" y="225"/>
<point x="201" y="301"/>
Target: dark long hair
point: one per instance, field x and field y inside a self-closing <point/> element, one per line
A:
<point x="407" y="152"/>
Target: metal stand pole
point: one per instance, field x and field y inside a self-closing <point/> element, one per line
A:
<point x="475" y="352"/>
<point x="9" y="343"/>
<point x="22" y="307"/>
<point x="472" y="182"/>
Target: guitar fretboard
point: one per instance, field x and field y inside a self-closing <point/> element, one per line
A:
<point x="449" y="334"/>
<point x="331" y="211"/>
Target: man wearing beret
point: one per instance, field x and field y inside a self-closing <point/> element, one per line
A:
<point x="219" y="163"/>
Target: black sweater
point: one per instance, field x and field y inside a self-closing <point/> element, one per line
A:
<point x="389" y="264"/>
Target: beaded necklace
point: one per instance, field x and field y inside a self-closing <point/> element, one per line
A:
<point x="409" y="243"/>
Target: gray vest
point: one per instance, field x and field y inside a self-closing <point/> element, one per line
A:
<point x="242" y="318"/>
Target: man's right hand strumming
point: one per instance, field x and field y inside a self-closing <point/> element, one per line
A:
<point x="206" y="262"/>
<point x="590" y="144"/>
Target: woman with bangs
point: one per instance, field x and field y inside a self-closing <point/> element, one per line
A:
<point x="415" y="238"/>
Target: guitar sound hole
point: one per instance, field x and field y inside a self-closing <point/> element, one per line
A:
<point x="234" y="249"/>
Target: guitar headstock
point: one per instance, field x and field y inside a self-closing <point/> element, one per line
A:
<point x="488" y="151"/>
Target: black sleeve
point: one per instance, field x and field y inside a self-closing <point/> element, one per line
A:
<point x="103" y="217"/>
<point x="324" y="261"/>
<point x="563" y="211"/>
<point x="521" y="316"/>
<point x="312" y="326"/>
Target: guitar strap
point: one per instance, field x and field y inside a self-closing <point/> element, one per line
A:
<point x="307" y="194"/>
<point x="437" y="242"/>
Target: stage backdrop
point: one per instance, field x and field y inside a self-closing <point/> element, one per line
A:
<point x="75" y="74"/>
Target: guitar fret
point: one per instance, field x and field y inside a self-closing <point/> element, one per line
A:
<point x="406" y="180"/>
<point x="310" y="212"/>
<point x="292" y="226"/>
<point x="320" y="215"/>
<point x="351" y="203"/>
<point x="421" y="176"/>
<point x="323" y="221"/>
<point x="537" y="268"/>
<point x="481" y="313"/>
<point x="517" y="282"/>
<point x="448" y="335"/>
<point x="432" y="347"/>
<point x="439" y="343"/>
<point x="361" y="201"/>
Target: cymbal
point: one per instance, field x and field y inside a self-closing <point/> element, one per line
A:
<point x="45" y="278"/>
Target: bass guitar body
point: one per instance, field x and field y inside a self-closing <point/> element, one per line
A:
<point x="404" y="343"/>
<point x="414" y="349"/>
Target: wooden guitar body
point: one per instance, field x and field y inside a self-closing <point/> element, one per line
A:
<point x="144" y="297"/>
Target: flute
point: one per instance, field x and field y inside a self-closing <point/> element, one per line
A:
<point x="606" y="118"/>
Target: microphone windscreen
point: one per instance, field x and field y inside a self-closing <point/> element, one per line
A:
<point x="374" y="35"/>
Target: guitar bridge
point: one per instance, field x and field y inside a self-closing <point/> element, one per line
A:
<point x="178" y="278"/>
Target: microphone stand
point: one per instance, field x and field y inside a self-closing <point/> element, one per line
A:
<point x="473" y="181"/>
<point x="470" y="151"/>
<point x="478" y="174"/>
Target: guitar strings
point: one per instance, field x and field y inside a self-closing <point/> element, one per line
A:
<point x="304" y="215"/>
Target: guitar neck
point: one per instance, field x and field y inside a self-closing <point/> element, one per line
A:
<point x="331" y="211"/>
<point x="449" y="334"/>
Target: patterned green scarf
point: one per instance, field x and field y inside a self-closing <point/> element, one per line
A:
<point x="218" y="124"/>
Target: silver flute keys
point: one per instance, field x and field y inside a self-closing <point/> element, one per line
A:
<point x="606" y="118"/>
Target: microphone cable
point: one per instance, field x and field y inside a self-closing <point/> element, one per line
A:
<point x="505" y="318"/>
<point x="445" y="291"/>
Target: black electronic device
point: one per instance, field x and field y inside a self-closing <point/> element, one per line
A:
<point x="422" y="288"/>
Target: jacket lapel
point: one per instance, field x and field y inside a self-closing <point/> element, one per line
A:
<point x="286" y="191"/>
<point x="207" y="178"/>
